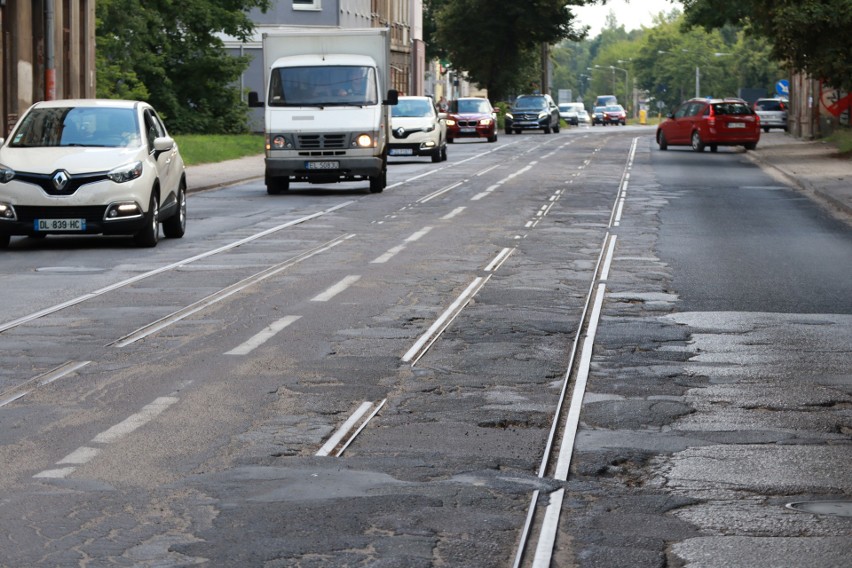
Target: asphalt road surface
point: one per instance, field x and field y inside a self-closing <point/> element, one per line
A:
<point x="330" y="377"/>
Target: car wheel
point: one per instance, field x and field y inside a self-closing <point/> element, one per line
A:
<point x="175" y="226"/>
<point x="714" y="148"/>
<point x="276" y="185"/>
<point x="697" y="144"/>
<point x="517" y="131"/>
<point x="556" y="128"/>
<point x="150" y="233"/>
<point x="450" y="140"/>
<point x="4" y="241"/>
<point x="661" y="140"/>
<point x="750" y="145"/>
<point x="546" y="129"/>
<point x="508" y="131"/>
<point x="436" y="155"/>
<point x="444" y="153"/>
<point x="378" y="183"/>
<point x="493" y="138"/>
<point x="766" y="129"/>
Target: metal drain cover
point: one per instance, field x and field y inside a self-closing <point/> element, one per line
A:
<point x="839" y="508"/>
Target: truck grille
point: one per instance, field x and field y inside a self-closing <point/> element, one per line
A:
<point x="321" y="141"/>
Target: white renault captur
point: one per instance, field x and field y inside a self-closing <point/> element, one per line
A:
<point x="417" y="129"/>
<point x="91" y="166"/>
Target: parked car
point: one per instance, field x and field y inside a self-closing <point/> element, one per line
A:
<point x="772" y="113"/>
<point x="417" y="129"/>
<point x="598" y="115"/>
<point x="583" y="118"/>
<point x="532" y="112"/>
<point x="614" y="114"/>
<point x="91" y="166"/>
<point x="710" y="122"/>
<point x="471" y="117"/>
<point x="569" y="112"/>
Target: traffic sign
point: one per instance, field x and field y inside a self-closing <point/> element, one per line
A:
<point x="782" y="88"/>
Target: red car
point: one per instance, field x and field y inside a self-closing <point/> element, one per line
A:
<point x="471" y="117"/>
<point x="614" y="114"/>
<point x="710" y="122"/>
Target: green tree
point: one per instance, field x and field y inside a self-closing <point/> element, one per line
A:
<point x="169" y="54"/>
<point x="811" y="36"/>
<point x="498" y="42"/>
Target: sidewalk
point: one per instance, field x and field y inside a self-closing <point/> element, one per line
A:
<point x="219" y="174"/>
<point x="813" y="166"/>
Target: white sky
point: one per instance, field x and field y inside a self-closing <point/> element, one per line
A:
<point x="632" y="15"/>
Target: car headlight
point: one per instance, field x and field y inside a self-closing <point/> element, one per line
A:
<point x="365" y="141"/>
<point x="486" y="121"/>
<point x="543" y="114"/>
<point x="125" y="173"/>
<point x="7" y="212"/>
<point x="6" y="174"/>
<point x="509" y="115"/>
<point x="451" y="122"/>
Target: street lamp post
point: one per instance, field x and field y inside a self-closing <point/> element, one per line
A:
<point x="626" y="83"/>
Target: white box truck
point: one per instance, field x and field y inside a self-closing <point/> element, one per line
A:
<point x="326" y="117"/>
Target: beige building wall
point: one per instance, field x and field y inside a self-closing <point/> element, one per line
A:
<point x="25" y="53"/>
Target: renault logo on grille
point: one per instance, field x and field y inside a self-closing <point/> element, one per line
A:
<point x="400" y="132"/>
<point x="60" y="179"/>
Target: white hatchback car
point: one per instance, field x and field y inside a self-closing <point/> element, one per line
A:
<point x="91" y="166"/>
<point x="417" y="129"/>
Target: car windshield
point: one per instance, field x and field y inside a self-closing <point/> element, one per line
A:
<point x="77" y="126"/>
<point x="731" y="109"/>
<point x="323" y="86"/>
<point x="599" y="109"/>
<point x="412" y="108"/>
<point x="471" y="106"/>
<point x="530" y="103"/>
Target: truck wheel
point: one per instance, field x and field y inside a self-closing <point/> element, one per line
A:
<point x="276" y="185"/>
<point x="378" y="183"/>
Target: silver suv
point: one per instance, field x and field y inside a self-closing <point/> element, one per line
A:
<point x="772" y="113"/>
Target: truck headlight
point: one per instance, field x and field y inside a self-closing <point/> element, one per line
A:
<point x="365" y="141"/>
<point x="278" y="142"/>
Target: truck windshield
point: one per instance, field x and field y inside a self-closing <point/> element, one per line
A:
<point x="323" y="86"/>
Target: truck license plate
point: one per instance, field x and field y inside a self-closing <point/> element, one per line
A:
<point x="60" y="225"/>
<point x="328" y="165"/>
<point x="401" y="152"/>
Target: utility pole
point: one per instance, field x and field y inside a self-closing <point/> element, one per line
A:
<point x="50" y="51"/>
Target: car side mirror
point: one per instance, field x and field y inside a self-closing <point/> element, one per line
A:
<point x="163" y="143"/>
<point x="253" y="100"/>
<point x="392" y="99"/>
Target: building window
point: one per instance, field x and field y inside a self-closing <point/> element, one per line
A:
<point x="307" y="4"/>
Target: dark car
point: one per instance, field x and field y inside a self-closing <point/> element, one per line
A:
<point x="471" y="117"/>
<point x="710" y="122"/>
<point x="598" y="115"/>
<point x="614" y="114"/>
<point x="772" y="113"/>
<point x="532" y="112"/>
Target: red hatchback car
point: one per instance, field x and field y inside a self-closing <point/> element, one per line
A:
<point x="710" y="122"/>
<point x="471" y="117"/>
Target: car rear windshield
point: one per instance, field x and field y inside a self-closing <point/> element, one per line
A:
<point x="769" y="105"/>
<point x="731" y="108"/>
<point x="77" y="126"/>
